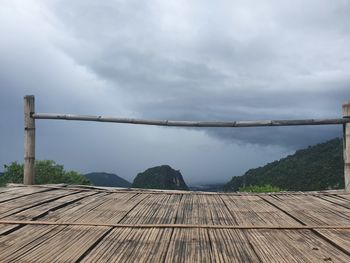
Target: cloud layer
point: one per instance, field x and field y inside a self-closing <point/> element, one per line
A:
<point x="232" y="60"/>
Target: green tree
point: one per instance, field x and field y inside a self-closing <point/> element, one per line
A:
<point x="46" y="172"/>
<point x="318" y="167"/>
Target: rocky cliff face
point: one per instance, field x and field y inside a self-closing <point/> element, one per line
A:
<point x="160" y="177"/>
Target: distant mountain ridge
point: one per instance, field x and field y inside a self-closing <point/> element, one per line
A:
<point x="160" y="177"/>
<point x="317" y="167"/>
<point x="107" y="179"/>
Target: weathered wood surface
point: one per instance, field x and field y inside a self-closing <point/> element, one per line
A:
<point x="346" y="145"/>
<point x="311" y="210"/>
<point x="29" y="140"/>
<point x="228" y="124"/>
<point x="164" y="241"/>
<point x="293" y="246"/>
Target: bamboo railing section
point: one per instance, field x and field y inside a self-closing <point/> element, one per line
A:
<point x="30" y="116"/>
<point x="29" y="140"/>
<point x="346" y="145"/>
<point x="208" y="124"/>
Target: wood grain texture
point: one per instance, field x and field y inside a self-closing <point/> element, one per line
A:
<point x="72" y="224"/>
<point x="29" y="140"/>
<point x="293" y="246"/>
<point x="311" y="210"/>
<point x="228" y="124"/>
<point x="346" y="145"/>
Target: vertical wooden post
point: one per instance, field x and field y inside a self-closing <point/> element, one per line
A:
<point x="346" y="144"/>
<point x="29" y="140"/>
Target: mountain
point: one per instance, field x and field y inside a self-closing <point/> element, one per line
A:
<point x="317" y="167"/>
<point x="107" y="179"/>
<point x="160" y="177"/>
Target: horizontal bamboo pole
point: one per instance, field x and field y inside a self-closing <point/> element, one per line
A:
<point x="14" y="222"/>
<point x="232" y="124"/>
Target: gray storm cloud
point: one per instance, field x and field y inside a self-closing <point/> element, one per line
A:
<point x="229" y="60"/>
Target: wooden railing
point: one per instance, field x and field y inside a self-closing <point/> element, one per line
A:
<point x="30" y="115"/>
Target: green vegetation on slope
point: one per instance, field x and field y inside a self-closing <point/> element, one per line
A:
<point x="260" y="189"/>
<point x="318" y="167"/>
<point x="46" y="172"/>
<point x="107" y="179"/>
<point x="160" y="177"/>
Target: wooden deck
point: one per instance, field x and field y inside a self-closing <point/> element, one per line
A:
<point x="72" y="224"/>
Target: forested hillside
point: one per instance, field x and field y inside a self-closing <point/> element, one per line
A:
<point x="107" y="179"/>
<point x="317" y="167"/>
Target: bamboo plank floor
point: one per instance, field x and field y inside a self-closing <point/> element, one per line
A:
<point x="77" y="224"/>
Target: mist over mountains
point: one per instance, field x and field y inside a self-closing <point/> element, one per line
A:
<point x="317" y="167"/>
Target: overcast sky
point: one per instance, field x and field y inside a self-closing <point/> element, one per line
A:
<point x="178" y="60"/>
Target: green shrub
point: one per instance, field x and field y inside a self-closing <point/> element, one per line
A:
<point x="260" y="189"/>
<point x="46" y="172"/>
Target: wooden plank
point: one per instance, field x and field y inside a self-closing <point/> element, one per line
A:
<point x="252" y="210"/>
<point x="20" y="192"/>
<point x="172" y="244"/>
<point x="189" y="245"/>
<point x="311" y="210"/>
<point x="16" y="243"/>
<point x="293" y="246"/>
<point x="213" y="208"/>
<point x="131" y="245"/>
<point x="136" y="244"/>
<point x="70" y="211"/>
<point x="88" y="203"/>
<point x="116" y="207"/>
<point x="335" y="199"/>
<point x="61" y="244"/>
<point x="341" y="237"/>
<point x="44" y="208"/>
<point x="345" y="196"/>
<point x="77" y="211"/>
<point x="155" y="209"/>
<point x="104" y="208"/>
<point x="196" y="245"/>
<point x="25" y="202"/>
<point x="231" y="246"/>
<point x="198" y="209"/>
<point x="5" y="189"/>
<point x="41" y="209"/>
